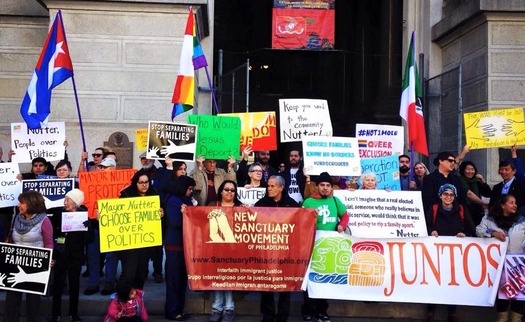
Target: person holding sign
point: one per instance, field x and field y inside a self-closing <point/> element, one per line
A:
<point x="502" y="222"/>
<point x="262" y="158"/>
<point x="30" y="227"/>
<point x="331" y="216"/>
<point x="255" y="174"/>
<point x="208" y="178"/>
<point x="473" y="181"/>
<point x="175" y="268"/>
<point x="68" y="256"/>
<point x="368" y="181"/>
<point x="447" y="218"/>
<point x="511" y="172"/>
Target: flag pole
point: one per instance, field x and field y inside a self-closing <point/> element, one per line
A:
<point x="84" y="148"/>
<point x="411" y="172"/>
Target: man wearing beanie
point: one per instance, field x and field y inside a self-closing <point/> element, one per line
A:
<point x="331" y="216"/>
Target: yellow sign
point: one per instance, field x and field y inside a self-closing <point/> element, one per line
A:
<point x="129" y="223"/>
<point x="496" y="128"/>
<point x="141" y="137"/>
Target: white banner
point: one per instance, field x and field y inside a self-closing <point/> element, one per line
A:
<point x="10" y="186"/>
<point x="442" y="270"/>
<point x="512" y="282"/>
<point x="379" y="140"/>
<point x="250" y="196"/>
<point x="384" y="214"/>
<point x="339" y="156"/>
<point x="46" y="142"/>
<point x="300" y="118"/>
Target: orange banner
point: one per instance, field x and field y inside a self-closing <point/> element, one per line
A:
<point x="258" y="129"/>
<point x="98" y="185"/>
<point x="248" y="249"/>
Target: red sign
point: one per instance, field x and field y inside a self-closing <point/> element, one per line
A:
<point x="248" y="249"/>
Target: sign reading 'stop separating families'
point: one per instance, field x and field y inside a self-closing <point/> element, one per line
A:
<point x="46" y="142"/>
<point x="258" y="129"/>
<point x="338" y="156"/>
<point x="379" y="140"/>
<point x="53" y="190"/>
<point x="178" y="141"/>
<point x="9" y="183"/>
<point x="24" y="269"/>
<point x="490" y="129"/>
<point x="300" y="118"/>
<point x="219" y="136"/>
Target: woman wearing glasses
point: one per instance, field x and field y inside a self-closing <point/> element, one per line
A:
<point x="98" y="156"/>
<point x="255" y="177"/>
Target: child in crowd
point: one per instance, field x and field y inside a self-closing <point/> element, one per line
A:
<point x="127" y="305"/>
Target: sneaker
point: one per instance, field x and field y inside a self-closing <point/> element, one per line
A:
<point x="91" y="290"/>
<point x="75" y="318"/>
<point x="307" y="317"/>
<point x="228" y="316"/>
<point x="215" y="316"/>
<point x="322" y="318"/>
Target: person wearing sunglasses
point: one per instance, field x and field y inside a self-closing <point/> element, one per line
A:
<point x="98" y="156"/>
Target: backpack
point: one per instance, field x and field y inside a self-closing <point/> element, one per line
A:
<point x="435" y="208"/>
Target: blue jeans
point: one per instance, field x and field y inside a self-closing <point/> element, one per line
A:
<point x="222" y="300"/>
<point x="93" y="254"/>
<point x="110" y="269"/>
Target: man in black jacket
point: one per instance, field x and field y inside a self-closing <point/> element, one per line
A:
<point x="294" y="177"/>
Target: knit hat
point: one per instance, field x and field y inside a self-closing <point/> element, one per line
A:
<point x="324" y="177"/>
<point x="77" y="196"/>
<point x="448" y="186"/>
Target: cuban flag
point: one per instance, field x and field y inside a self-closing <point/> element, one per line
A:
<point x="53" y="67"/>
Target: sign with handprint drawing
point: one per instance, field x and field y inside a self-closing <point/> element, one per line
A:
<point x="178" y="141"/>
<point x="495" y="128"/>
<point x="24" y="269"/>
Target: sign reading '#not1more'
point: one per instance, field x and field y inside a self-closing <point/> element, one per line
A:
<point x="47" y="142"/>
<point x="53" y="190"/>
<point x="9" y="184"/>
<point x="129" y="223"/>
<point x="379" y="140"/>
<point x="25" y="269"/>
<point x="339" y="156"/>
<point x="301" y="118"/>
<point x="178" y="141"/>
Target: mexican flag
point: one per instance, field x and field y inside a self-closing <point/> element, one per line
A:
<point x="411" y="109"/>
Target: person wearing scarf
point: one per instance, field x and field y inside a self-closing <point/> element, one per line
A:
<point x="30" y="227"/>
<point x="474" y="182"/>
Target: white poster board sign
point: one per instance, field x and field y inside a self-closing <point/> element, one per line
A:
<point x="301" y="118"/>
<point x="339" y="156"/>
<point x="10" y="186"/>
<point x="379" y="140"/>
<point x="250" y="196"/>
<point x="74" y="221"/>
<point x="47" y="142"/>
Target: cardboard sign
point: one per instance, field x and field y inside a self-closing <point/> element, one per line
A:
<point x="379" y="140"/>
<point x="512" y="282"/>
<point x="495" y="128"/>
<point x="386" y="170"/>
<point x="218" y="136"/>
<point x="74" y="221"/>
<point x="384" y="214"/>
<point x="173" y="139"/>
<point x="25" y="269"/>
<point x="258" y="129"/>
<point x="249" y="249"/>
<point x="98" y="185"/>
<point x="417" y="270"/>
<point x="10" y="186"/>
<point x="129" y="223"/>
<point x="301" y="118"/>
<point x="250" y="196"/>
<point x="141" y="137"/>
<point x="46" y="142"/>
<point x="339" y="156"/>
<point x="53" y="190"/>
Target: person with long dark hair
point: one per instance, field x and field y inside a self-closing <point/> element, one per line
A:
<point x="502" y="222"/>
<point x="473" y="181"/>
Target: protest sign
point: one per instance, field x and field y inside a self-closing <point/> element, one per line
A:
<point x="384" y="214"/>
<point x="46" y="142"/>
<point x="9" y="185"/>
<point x="178" y="141"/>
<point x="53" y="190"/>
<point x="250" y="196"/>
<point x="129" y="223"/>
<point x="98" y="185"/>
<point x="512" y="282"/>
<point x="303" y="117"/>
<point x="379" y="140"/>
<point x="249" y="249"/>
<point x="386" y="170"/>
<point x="141" y="137"/>
<point x="495" y="128"/>
<point x="74" y="221"/>
<point x="24" y="269"/>
<point x="219" y="136"/>
<point x="419" y="270"/>
<point x="258" y="129"/>
<point x="339" y="156"/>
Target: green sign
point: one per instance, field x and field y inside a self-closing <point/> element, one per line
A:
<point x="218" y="137"/>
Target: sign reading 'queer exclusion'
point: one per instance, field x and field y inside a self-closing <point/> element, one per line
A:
<point x="301" y="118"/>
<point x="178" y="141"/>
<point x="338" y="156"/>
<point x="218" y="136"/>
<point x="379" y="140"/>
<point x="46" y="142"/>
<point x="9" y="184"/>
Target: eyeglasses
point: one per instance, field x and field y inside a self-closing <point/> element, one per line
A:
<point x="448" y="194"/>
<point x="143" y="182"/>
<point x="96" y="155"/>
<point x="451" y="160"/>
<point x="256" y="171"/>
<point x="229" y="190"/>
